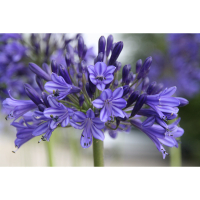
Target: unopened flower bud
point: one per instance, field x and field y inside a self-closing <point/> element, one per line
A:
<point x="38" y="71"/>
<point x="32" y="94"/>
<point x="116" y="52"/>
<point x="39" y="82"/>
<point x="139" y="103"/>
<point x="109" y="45"/>
<point x="133" y="97"/>
<point x="81" y="100"/>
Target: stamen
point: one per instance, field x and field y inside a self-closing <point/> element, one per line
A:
<point x="15" y="150"/>
<point x="101" y="78"/>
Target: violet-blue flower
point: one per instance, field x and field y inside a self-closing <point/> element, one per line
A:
<point x="101" y="74"/>
<point x="59" y="85"/>
<point x="92" y="127"/>
<point x="111" y="104"/>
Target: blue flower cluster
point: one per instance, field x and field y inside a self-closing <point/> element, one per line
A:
<point x="17" y="50"/>
<point x="180" y="65"/>
<point x="94" y="98"/>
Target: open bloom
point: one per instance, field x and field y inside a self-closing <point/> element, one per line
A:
<point x="59" y="86"/>
<point x="58" y="112"/>
<point x="159" y="136"/>
<point x="16" y="108"/>
<point x="101" y="74"/>
<point x="111" y="104"/>
<point x="92" y="127"/>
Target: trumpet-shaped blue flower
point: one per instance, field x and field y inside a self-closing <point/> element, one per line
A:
<point x="101" y="74"/>
<point x="16" y="108"/>
<point x="111" y="104"/>
<point x="59" y="87"/>
<point x="92" y="127"/>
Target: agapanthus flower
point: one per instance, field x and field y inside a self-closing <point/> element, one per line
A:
<point x="111" y="104"/>
<point x="92" y="98"/>
<point x="101" y="74"/>
<point x="92" y="127"/>
<point x="61" y="88"/>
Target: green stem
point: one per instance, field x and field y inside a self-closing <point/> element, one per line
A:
<point x="175" y="157"/>
<point x="98" y="153"/>
<point x="50" y="155"/>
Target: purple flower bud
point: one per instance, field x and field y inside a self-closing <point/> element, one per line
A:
<point x="81" y="99"/>
<point x="39" y="82"/>
<point x="96" y="112"/>
<point x="84" y="51"/>
<point x="80" y="46"/>
<point x="109" y="45"/>
<point x="116" y="52"/>
<point x="41" y="107"/>
<point x="38" y="71"/>
<point x="130" y="78"/>
<point x="83" y="66"/>
<point x="144" y="70"/>
<point x="46" y="68"/>
<point x="126" y="89"/>
<point x="118" y="66"/>
<point x="54" y="67"/>
<point x="158" y="88"/>
<point x="32" y="94"/>
<point x="116" y="83"/>
<point x="151" y="87"/>
<point x="102" y="45"/>
<point x="99" y="57"/>
<point x="125" y="71"/>
<point x="139" y="103"/>
<point x="64" y="73"/>
<point x="68" y="59"/>
<point x="145" y="83"/>
<point x="44" y="98"/>
<point x="113" y="46"/>
<point x="138" y="65"/>
<point x="79" y="75"/>
<point x="133" y="97"/>
<point x="80" y="84"/>
<point x="183" y="101"/>
<point x="87" y="87"/>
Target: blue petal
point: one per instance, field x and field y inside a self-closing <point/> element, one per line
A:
<point x="98" y="103"/>
<point x="65" y="122"/>
<point x="41" y="129"/>
<point x="104" y="115"/>
<point x="117" y="112"/>
<point x="98" y="123"/>
<point x="169" y="101"/>
<point x="108" y="79"/>
<point x="101" y="86"/>
<point x="106" y="94"/>
<point x="90" y="114"/>
<point x="100" y="68"/>
<point x="86" y="139"/>
<point x="149" y="121"/>
<point x="79" y="116"/>
<point x="98" y="134"/>
<point x="110" y="70"/>
<point x="118" y="93"/>
<point x="119" y="103"/>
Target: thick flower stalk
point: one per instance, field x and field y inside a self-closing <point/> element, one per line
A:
<point x="94" y="99"/>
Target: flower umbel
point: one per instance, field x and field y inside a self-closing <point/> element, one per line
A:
<point x="76" y="94"/>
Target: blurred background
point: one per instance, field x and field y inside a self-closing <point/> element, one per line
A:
<point x="176" y="61"/>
